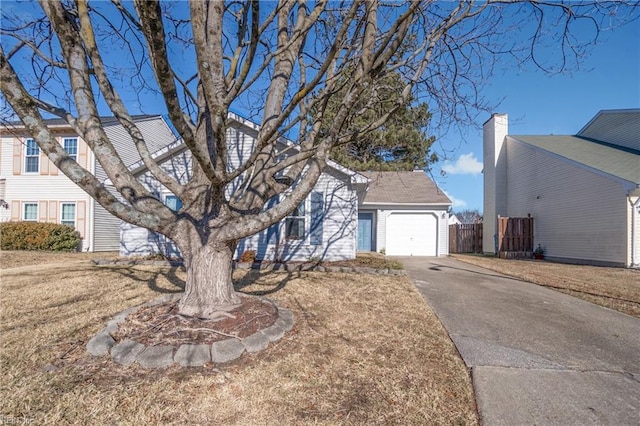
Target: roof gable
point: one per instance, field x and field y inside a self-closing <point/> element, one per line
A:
<point x="412" y="188"/>
<point x="618" y="127"/>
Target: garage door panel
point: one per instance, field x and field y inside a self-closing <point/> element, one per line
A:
<point x="411" y="234"/>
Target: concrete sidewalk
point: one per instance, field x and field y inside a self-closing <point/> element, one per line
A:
<point x="536" y="356"/>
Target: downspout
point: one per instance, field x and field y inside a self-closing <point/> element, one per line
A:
<point x="635" y="261"/>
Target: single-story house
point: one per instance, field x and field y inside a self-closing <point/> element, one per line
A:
<point x="401" y="212"/>
<point x="582" y="190"/>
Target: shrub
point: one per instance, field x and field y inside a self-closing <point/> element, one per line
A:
<point x="248" y="256"/>
<point x="38" y="236"/>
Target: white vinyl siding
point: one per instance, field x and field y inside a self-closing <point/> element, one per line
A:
<point x="578" y="215"/>
<point x="31" y="157"/>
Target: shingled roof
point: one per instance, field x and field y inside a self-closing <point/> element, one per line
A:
<point x="403" y="188"/>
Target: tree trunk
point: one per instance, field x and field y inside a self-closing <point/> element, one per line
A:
<point x="209" y="288"/>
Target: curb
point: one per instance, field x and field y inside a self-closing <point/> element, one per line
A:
<point x="129" y="351"/>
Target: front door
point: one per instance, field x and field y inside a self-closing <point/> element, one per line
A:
<point x="365" y="226"/>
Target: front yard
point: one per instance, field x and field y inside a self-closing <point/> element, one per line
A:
<point x="364" y="349"/>
<point x="614" y="288"/>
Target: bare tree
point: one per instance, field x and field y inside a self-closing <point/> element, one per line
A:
<point x="469" y="216"/>
<point x="283" y="59"/>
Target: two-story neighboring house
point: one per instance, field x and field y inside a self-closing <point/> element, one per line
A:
<point x="33" y="189"/>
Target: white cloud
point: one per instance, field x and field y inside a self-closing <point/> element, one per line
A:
<point x="456" y="202"/>
<point x="466" y="164"/>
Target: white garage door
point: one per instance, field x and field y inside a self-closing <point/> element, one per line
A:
<point x="412" y="234"/>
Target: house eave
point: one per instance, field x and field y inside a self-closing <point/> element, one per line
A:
<point x="425" y="205"/>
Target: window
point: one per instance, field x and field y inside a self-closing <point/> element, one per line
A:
<point x="71" y="146"/>
<point x="32" y="157"/>
<point x="30" y="212"/>
<point x="173" y="202"/>
<point x="295" y="224"/>
<point x="68" y="214"/>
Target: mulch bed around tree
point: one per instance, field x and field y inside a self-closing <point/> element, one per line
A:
<point x="163" y="325"/>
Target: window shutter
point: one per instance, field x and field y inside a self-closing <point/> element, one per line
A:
<point x="53" y="211"/>
<point x="53" y="170"/>
<point x="44" y="163"/>
<point x="82" y="153"/>
<point x="17" y="156"/>
<point x="272" y="233"/>
<point x="81" y="217"/>
<point x="15" y="211"/>
<point x="317" y="216"/>
<point x="42" y="211"/>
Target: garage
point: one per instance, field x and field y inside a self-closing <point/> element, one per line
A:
<point x="412" y="234"/>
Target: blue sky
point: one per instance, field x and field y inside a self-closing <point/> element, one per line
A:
<point x="538" y="103"/>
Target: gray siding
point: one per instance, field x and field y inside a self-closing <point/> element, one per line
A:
<point x="620" y="127"/>
<point x="156" y="134"/>
<point x="106" y="229"/>
<point x="578" y="215"/>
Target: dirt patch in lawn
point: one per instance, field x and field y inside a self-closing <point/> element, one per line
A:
<point x="614" y="288"/>
<point x="365" y="349"/>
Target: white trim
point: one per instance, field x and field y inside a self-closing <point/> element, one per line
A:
<point x="75" y="212"/>
<point x="24" y="211"/>
<point x="370" y="205"/>
<point x="307" y="222"/>
<point x="91" y="206"/>
<point x="635" y="232"/>
<point x="74" y="156"/>
<point x="26" y="155"/>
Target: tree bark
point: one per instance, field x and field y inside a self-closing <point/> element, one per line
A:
<point x="209" y="287"/>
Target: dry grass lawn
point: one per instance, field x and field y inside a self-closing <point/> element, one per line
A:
<point x="365" y="349"/>
<point x="614" y="288"/>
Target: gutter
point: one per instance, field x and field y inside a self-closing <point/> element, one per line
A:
<point x="635" y="210"/>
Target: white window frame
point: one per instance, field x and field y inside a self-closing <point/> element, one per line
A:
<point x="75" y="154"/>
<point x="75" y="213"/>
<point x="24" y="211"/>
<point x="28" y="156"/>
<point x="306" y="217"/>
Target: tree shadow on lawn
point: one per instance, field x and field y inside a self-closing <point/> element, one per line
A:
<point x="252" y="277"/>
<point x="136" y="274"/>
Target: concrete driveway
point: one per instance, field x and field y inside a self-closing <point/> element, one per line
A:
<point x="536" y="356"/>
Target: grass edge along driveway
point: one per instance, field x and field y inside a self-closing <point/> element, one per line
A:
<point x="613" y="288"/>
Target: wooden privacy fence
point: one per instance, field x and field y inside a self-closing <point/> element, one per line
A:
<point x="515" y="237"/>
<point x="465" y="238"/>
